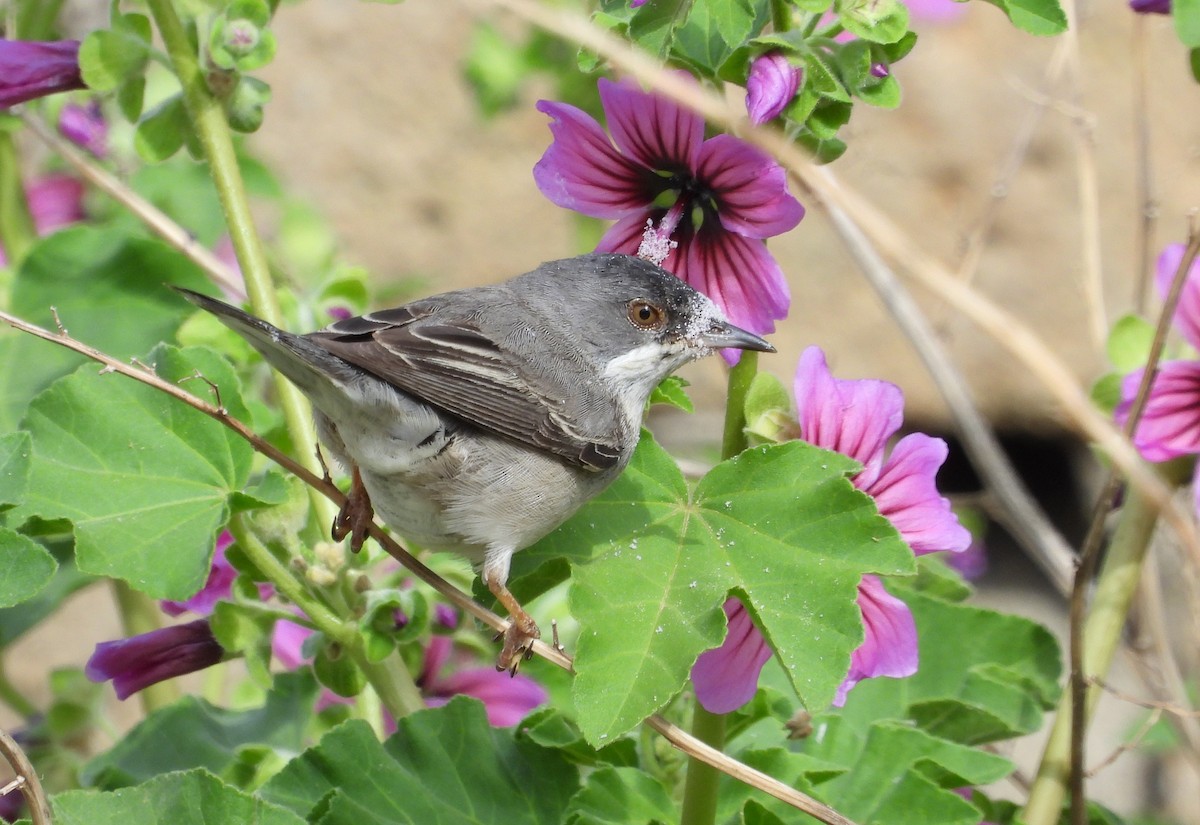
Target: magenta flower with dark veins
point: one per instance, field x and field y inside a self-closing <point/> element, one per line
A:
<point x="770" y="86"/>
<point x="715" y="199"/>
<point x="140" y="661"/>
<point x="507" y="699"/>
<point x="1170" y="424"/>
<point x="855" y="418"/>
<point x="29" y="70"/>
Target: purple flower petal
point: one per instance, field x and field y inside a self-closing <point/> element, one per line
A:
<point x="30" y="70"/>
<point x="1151" y="6"/>
<point x="507" y="699"/>
<point x="55" y="201"/>
<point x="971" y="563"/>
<point x="726" y="677"/>
<point x="935" y="11"/>
<point x="906" y="494"/>
<point x="85" y="126"/>
<point x="218" y="587"/>
<point x="1170" y="426"/>
<point x="770" y="86"/>
<point x="889" y="646"/>
<point x="749" y="187"/>
<point x="854" y="418"/>
<point x="652" y="130"/>
<point x="583" y="171"/>
<point x="140" y="661"/>
<point x="1187" y="314"/>
<point x="287" y="644"/>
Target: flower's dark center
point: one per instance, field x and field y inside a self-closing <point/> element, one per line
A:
<point x="683" y="193"/>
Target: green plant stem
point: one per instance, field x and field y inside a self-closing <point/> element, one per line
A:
<point x="389" y="678"/>
<point x="12" y="697"/>
<point x="17" y="231"/>
<point x="216" y="138"/>
<point x="140" y="614"/>
<point x="702" y="783"/>
<point x="1115" y="588"/>
<point x="733" y="440"/>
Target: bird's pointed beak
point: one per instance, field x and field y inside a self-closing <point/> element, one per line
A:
<point x="726" y="335"/>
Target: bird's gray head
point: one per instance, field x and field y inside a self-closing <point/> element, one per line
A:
<point x="638" y="321"/>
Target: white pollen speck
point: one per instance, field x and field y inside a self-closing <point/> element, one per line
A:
<point x="658" y="629"/>
<point x="692" y="585"/>
<point x="639" y="556"/>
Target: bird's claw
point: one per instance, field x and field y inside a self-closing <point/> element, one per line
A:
<point x="355" y="517"/>
<point x="519" y="637"/>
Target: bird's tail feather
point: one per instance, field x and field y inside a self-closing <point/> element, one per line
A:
<point x="310" y="367"/>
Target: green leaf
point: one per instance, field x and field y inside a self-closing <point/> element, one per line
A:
<point x="191" y="733"/>
<point x="14" y="467"/>
<point x="878" y="21"/>
<point x="1041" y="17"/>
<point x="162" y="131"/>
<point x="15" y="621"/>
<point x="109" y="58"/>
<point x="1186" y="14"/>
<point x="1194" y="64"/>
<point x="821" y="78"/>
<point x="143" y="477"/>
<point x="551" y="728"/>
<point x="621" y="796"/>
<point x="992" y="678"/>
<point x="650" y="601"/>
<point x="673" y="393"/>
<point x="1106" y="392"/>
<point x="192" y="798"/>
<point x="904" y="776"/>
<point x="653" y="25"/>
<point x="734" y="19"/>
<point x="1128" y="344"/>
<point x="25" y="568"/>
<point x="90" y="275"/>
<point x="443" y="766"/>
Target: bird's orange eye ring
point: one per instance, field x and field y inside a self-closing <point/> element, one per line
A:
<point x="645" y="315"/>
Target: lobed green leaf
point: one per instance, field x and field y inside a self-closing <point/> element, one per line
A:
<point x="143" y="478"/>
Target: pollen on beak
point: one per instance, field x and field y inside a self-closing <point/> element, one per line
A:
<point x="726" y="335"/>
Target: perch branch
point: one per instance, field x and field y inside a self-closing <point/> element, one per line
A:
<point x="27" y="780"/>
<point x="678" y="737"/>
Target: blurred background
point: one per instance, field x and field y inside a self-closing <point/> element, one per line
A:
<point x="374" y="123"/>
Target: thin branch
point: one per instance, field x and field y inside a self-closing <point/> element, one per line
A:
<point x="682" y="740"/>
<point x="1147" y="201"/>
<point x="31" y="786"/>
<point x="1016" y="509"/>
<point x="1090" y="554"/>
<point x="1150" y="704"/>
<point x="977" y="237"/>
<point x="1126" y="747"/>
<point x="154" y="218"/>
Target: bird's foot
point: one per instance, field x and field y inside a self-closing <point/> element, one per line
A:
<point x="522" y="632"/>
<point x="355" y="517"/>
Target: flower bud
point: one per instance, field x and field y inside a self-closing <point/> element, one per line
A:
<point x="771" y="85"/>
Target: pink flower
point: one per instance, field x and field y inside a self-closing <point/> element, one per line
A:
<point x="770" y="86"/>
<point x="716" y="198"/>
<point x="54" y="201"/>
<point x="1170" y="425"/>
<point x="507" y="699"/>
<point x="85" y="126"/>
<point x="140" y="661"/>
<point x="29" y="70"/>
<point x="855" y="418"/>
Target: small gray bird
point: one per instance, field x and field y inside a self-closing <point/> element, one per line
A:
<point x="479" y="420"/>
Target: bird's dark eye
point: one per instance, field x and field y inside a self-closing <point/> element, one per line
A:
<point x="645" y="315"/>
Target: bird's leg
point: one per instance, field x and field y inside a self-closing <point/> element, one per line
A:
<point x="356" y="515"/>
<point x="522" y="629"/>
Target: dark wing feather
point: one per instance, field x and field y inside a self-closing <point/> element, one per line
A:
<point x="455" y="366"/>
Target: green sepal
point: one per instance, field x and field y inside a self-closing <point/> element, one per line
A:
<point x="109" y="58"/>
<point x="336" y="670"/>
<point x="162" y="131"/>
<point x="878" y="21"/>
<point x="246" y="631"/>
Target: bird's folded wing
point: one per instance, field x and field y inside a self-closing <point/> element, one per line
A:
<point x="454" y="366"/>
